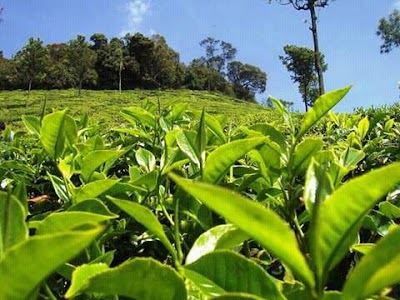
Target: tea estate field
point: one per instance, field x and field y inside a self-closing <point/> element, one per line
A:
<point x="167" y="200"/>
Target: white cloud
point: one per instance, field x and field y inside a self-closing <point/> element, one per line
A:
<point x="136" y="10"/>
<point x="397" y="4"/>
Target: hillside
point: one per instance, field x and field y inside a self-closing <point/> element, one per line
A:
<point x="104" y="106"/>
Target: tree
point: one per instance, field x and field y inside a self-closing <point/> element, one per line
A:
<point x="31" y="62"/>
<point x="116" y="59"/>
<point x="300" y="61"/>
<point x="82" y="61"/>
<point x="140" y="49"/>
<point x="218" y="55"/>
<point x="165" y="62"/>
<point x="389" y="31"/>
<point x="311" y="5"/>
<point x="58" y="72"/>
<point x="247" y="80"/>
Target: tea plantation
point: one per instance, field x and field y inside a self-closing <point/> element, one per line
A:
<point x="146" y="195"/>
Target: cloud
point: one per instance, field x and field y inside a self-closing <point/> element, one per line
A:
<point x="136" y="11"/>
<point x="396" y="5"/>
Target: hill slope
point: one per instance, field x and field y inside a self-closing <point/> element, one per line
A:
<point x="104" y="106"/>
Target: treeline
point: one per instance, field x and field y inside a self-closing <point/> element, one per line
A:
<point x="135" y="61"/>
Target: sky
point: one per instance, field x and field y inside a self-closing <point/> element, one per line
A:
<point x="259" y="31"/>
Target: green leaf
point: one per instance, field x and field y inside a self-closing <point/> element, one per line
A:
<point x="145" y="159"/>
<point x="303" y="154"/>
<point x="237" y="296"/>
<point x="140" y="278"/>
<point x="59" y="187"/>
<point x="234" y="273"/>
<point x="321" y="107"/>
<point x="13" y="228"/>
<point x="32" y="123"/>
<point x="63" y="221"/>
<point x="219" y="161"/>
<point x="93" y="206"/>
<point x="27" y="264"/>
<point x="378" y="269"/>
<point x="389" y="210"/>
<point x="337" y="220"/>
<point x="94" y="189"/>
<point x="144" y="216"/>
<point x="363" y="127"/>
<point x="201" y="140"/>
<point x="52" y="133"/>
<point x="140" y="116"/>
<point x="81" y="274"/>
<point x="95" y="159"/>
<point x="254" y="219"/>
<point x="363" y="248"/>
<point x="187" y="143"/>
<point x="318" y="186"/>
<point x="219" y="237"/>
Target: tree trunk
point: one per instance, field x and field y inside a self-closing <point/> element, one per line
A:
<point x="318" y="65"/>
<point x="120" y="77"/>
<point x="305" y="96"/>
<point x="29" y="93"/>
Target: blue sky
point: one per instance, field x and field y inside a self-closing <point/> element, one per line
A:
<point x="258" y="30"/>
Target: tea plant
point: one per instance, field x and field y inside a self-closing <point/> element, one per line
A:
<point x="175" y="204"/>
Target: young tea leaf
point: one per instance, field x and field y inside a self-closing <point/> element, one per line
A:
<point x="13" y="228"/>
<point x="339" y="218"/>
<point x="321" y="107"/>
<point x="254" y="219"/>
<point x="234" y="273"/>
<point x="27" y="264"/>
<point x="378" y="269"/>
<point x="219" y="161"/>
<point x="225" y="236"/>
<point x="140" y="278"/>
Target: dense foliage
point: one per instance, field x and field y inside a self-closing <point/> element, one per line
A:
<point x="135" y="61"/>
<point x="175" y="204"/>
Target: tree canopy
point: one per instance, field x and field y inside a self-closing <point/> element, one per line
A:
<point x="311" y="5"/>
<point x="389" y="31"/>
<point x="300" y="62"/>
<point x="134" y="61"/>
<point x="247" y="79"/>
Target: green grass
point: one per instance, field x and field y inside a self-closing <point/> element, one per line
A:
<point x="104" y="106"/>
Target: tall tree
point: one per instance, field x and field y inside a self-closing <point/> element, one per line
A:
<point x="82" y="60"/>
<point x="116" y="59"/>
<point x="58" y="73"/>
<point x="247" y="80"/>
<point x="165" y="62"/>
<point x="218" y="55"/>
<point x="140" y="49"/>
<point x="300" y="61"/>
<point x="31" y="62"/>
<point x="311" y="6"/>
<point x="389" y="31"/>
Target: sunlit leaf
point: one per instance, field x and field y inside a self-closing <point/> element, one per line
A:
<point x="140" y="278"/>
<point x="254" y="219"/>
<point x="378" y="269"/>
<point x="320" y="108"/>
<point x="27" y="264"/>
